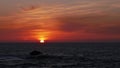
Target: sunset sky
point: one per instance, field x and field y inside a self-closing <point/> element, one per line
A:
<point x="59" y="20"/>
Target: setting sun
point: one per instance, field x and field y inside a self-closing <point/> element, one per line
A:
<point x="42" y="41"/>
<point x="42" y="36"/>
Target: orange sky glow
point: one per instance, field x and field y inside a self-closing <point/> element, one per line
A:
<point x="60" y="21"/>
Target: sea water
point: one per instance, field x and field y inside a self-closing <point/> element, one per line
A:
<point x="77" y="55"/>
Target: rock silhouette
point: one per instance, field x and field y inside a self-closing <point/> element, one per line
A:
<point x="35" y="53"/>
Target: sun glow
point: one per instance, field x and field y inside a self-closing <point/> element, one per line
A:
<point x="42" y="40"/>
<point x="42" y="36"/>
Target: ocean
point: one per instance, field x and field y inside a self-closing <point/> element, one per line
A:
<point x="60" y="55"/>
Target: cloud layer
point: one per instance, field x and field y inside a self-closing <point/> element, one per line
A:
<point x="63" y="20"/>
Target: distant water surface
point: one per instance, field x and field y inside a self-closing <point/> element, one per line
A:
<point x="60" y="55"/>
<point x="86" y="49"/>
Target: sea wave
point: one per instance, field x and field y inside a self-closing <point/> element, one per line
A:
<point x="57" y="61"/>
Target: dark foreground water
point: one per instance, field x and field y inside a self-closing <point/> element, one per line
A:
<point x="66" y="55"/>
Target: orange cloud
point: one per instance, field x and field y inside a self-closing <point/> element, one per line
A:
<point x="77" y="21"/>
